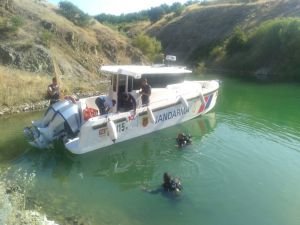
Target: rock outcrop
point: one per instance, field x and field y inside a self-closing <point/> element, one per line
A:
<point x="36" y="35"/>
<point x="6" y="4"/>
<point x="34" y="58"/>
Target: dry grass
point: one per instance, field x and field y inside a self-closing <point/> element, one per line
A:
<point x="49" y="13"/>
<point x="19" y="87"/>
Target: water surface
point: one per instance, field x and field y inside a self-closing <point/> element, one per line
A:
<point x="242" y="168"/>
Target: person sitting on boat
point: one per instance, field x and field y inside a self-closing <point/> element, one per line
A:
<point x="105" y="104"/>
<point x="145" y="92"/>
<point x="128" y="102"/>
<point x="53" y="91"/>
<point x="183" y="139"/>
<point x="171" y="184"/>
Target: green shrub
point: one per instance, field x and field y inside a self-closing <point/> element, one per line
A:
<point x="148" y="45"/>
<point x="10" y="25"/>
<point x="16" y="23"/>
<point x="177" y="8"/>
<point x="74" y="14"/>
<point x="155" y="14"/>
<point x="237" y="41"/>
<point x="274" y="46"/>
<point x="46" y="38"/>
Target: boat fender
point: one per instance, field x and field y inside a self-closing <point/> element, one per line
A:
<point x="112" y="129"/>
<point x="151" y="115"/>
<point x="184" y="102"/>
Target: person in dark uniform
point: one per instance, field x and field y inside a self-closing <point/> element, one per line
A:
<point x="145" y="92"/>
<point x="171" y="187"/>
<point x="128" y="102"/>
<point x="183" y="139"/>
<point x="53" y="91"/>
<point x="171" y="184"/>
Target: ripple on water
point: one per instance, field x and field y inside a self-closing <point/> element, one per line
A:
<point x="265" y="129"/>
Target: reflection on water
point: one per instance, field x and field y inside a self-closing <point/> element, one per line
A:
<point x="286" y="135"/>
<point x="57" y="176"/>
<point x="136" y="157"/>
<point x="12" y="142"/>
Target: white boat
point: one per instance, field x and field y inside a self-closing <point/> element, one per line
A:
<point x="173" y="100"/>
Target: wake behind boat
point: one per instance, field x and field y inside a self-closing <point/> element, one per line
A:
<point x="83" y="129"/>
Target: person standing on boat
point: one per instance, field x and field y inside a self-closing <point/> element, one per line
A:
<point x="53" y="91"/>
<point x="145" y="92"/>
<point x="105" y="104"/>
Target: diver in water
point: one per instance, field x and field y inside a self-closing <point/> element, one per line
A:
<point x="183" y="139"/>
<point x="170" y="186"/>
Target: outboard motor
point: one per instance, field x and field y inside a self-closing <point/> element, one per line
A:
<point x="60" y="120"/>
<point x="50" y="113"/>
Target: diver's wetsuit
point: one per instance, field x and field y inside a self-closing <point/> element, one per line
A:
<point x="171" y="184"/>
<point x="183" y="139"/>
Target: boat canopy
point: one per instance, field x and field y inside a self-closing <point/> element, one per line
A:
<point x="136" y="71"/>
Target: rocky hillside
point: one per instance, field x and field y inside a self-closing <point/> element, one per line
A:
<point x="203" y="26"/>
<point x="35" y="37"/>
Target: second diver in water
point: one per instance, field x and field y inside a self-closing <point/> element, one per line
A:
<point x="183" y="139"/>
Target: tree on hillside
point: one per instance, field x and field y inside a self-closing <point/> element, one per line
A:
<point x="177" y="8"/>
<point x="148" y="45"/>
<point x="236" y="1"/>
<point x="274" y="47"/>
<point x="153" y="14"/>
<point x="123" y="18"/>
<point x="236" y="42"/>
<point x="191" y="2"/>
<point x="156" y="13"/>
<point x="74" y="14"/>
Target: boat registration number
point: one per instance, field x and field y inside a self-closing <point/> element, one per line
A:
<point x="121" y="127"/>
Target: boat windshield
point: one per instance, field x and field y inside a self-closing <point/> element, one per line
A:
<point x="159" y="81"/>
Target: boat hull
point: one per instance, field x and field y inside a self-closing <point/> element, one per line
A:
<point x="96" y="133"/>
<point x="81" y="128"/>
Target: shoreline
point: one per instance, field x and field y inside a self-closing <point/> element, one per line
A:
<point x="13" y="210"/>
<point x="26" y="107"/>
<point x="37" y="106"/>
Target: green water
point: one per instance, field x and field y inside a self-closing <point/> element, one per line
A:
<point x="242" y="168"/>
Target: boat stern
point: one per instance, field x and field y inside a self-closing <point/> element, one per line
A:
<point x="62" y="119"/>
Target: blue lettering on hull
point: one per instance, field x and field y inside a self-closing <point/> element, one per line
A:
<point x="171" y="114"/>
